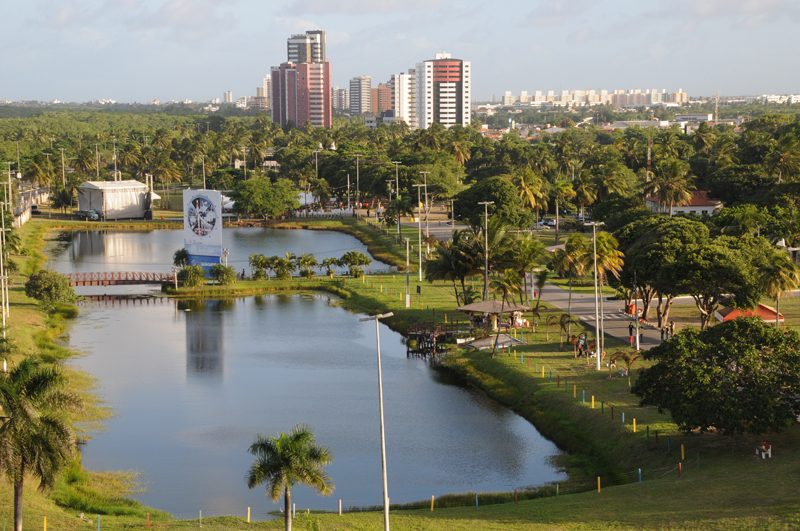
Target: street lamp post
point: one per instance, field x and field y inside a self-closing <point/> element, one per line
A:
<point x="485" y="246"/>
<point x="377" y="319"/>
<point x="419" y="228"/>
<point x="408" y="275"/>
<point x="427" y="208"/>
<point x="397" y="194"/>
<point x="597" y="339"/>
<point x="358" y="182"/>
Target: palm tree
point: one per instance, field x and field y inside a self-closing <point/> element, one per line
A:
<point x="258" y="263"/>
<point x="628" y="359"/>
<point x="504" y="285"/>
<point x="779" y="274"/>
<point x="532" y="189"/>
<point x="609" y="261"/>
<point x="527" y="253"/>
<point x="287" y="460"/>
<point x="306" y="264"/>
<point x="670" y="183"/>
<point x="328" y="264"/>
<point x="563" y="193"/>
<point x="35" y="437"/>
<point x="572" y="262"/>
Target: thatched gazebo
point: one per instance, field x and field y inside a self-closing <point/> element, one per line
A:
<point x="494" y="309"/>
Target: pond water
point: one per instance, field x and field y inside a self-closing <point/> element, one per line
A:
<point x="192" y="383"/>
<point x="95" y="251"/>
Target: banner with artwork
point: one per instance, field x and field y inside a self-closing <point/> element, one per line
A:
<point x="202" y="226"/>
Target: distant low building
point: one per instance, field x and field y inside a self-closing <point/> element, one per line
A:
<point x="700" y="204"/>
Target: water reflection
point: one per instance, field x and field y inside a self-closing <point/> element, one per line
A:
<point x="189" y="397"/>
<point x="204" y="337"/>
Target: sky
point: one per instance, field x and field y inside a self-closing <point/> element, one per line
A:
<point x="138" y="50"/>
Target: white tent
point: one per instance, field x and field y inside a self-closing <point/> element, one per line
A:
<point x="115" y="199"/>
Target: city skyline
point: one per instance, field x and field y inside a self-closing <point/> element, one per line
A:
<point x="84" y="50"/>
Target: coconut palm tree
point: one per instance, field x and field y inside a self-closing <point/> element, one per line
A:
<point x="36" y="438"/>
<point x="289" y="459"/>
<point x="505" y="285"/>
<point x="329" y="264"/>
<point x="670" y="183"/>
<point x="532" y="189"/>
<point x="526" y="253"/>
<point x="306" y="264"/>
<point x="609" y="262"/>
<point x="258" y="263"/>
<point x="571" y="262"/>
<point x="563" y="193"/>
<point x="778" y="274"/>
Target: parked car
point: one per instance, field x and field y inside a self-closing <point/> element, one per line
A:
<point x="88" y="215"/>
<point x="35" y="210"/>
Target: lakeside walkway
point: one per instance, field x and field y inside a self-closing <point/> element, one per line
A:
<point x="615" y="320"/>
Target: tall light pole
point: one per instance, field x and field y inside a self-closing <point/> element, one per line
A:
<point x="419" y="227"/>
<point x="597" y="341"/>
<point x="64" y="170"/>
<point x="397" y="194"/>
<point x="115" y="159"/>
<point x="316" y="171"/>
<point x="377" y="318"/>
<point x="408" y="275"/>
<point x="485" y="247"/>
<point x="425" y="181"/>
<point x="97" y="160"/>
<point x="358" y="182"/>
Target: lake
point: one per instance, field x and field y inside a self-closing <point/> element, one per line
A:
<point x="192" y="383"/>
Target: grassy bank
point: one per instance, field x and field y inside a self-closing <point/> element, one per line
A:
<point x="723" y="486"/>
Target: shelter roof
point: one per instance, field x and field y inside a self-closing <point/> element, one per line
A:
<point x="113" y="185"/>
<point x="493" y="306"/>
<point x="503" y="341"/>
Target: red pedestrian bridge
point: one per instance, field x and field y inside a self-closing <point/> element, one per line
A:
<point x="120" y="278"/>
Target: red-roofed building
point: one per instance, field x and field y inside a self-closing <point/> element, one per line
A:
<point x="700" y="204"/>
<point x="762" y="311"/>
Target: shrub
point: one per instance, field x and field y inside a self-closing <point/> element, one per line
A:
<point x="224" y="275"/>
<point x="49" y="288"/>
<point x="192" y="276"/>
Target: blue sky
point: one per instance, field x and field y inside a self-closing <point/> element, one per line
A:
<point x="136" y="50"/>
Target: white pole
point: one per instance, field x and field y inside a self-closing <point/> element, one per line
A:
<point x="596" y="297"/>
<point x="377" y="318"/>
<point x="408" y="275"/>
<point x="486" y="247"/>
<point x="97" y="161"/>
<point x="3" y="271"/>
<point x="419" y="228"/>
<point x="358" y="183"/>
<point x="397" y="194"/>
<point x="204" y="173"/>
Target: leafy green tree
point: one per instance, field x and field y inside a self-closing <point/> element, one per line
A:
<point x="224" y="275"/>
<point x="283" y="266"/>
<point x="258" y="264"/>
<point x="49" y="288"/>
<point x="740" y="376"/>
<point x="289" y="459"/>
<point x="572" y="262"/>
<point x="330" y="264"/>
<point x="306" y="264"/>
<point x="355" y="261"/>
<point x="192" y="276"/>
<point x="260" y="197"/>
<point x="713" y="274"/>
<point x="507" y="204"/>
<point x="36" y="437"/>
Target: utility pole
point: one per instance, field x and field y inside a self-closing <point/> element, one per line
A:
<point x="116" y="177"/>
<point x="64" y="170"/>
<point x="397" y="194"/>
<point x="427" y="208"/>
<point x="358" y="183"/>
<point x="597" y="316"/>
<point x="348" y="191"/>
<point x="97" y="160"/>
<point x="408" y="275"/>
<point x="485" y="247"/>
<point x="419" y="227"/>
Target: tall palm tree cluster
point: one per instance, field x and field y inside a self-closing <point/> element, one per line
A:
<point x="577" y="169"/>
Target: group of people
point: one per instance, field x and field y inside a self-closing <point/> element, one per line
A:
<point x="668" y="331"/>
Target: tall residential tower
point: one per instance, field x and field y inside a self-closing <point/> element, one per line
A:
<point x="301" y="87"/>
<point x="443" y="91"/>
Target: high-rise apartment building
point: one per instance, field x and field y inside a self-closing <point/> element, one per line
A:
<point x="308" y="47"/>
<point x="360" y="95"/>
<point x="404" y="97"/>
<point x="227" y="96"/>
<point x="341" y="99"/>
<point x="381" y="99"/>
<point x="301" y="94"/>
<point x="301" y="87"/>
<point x="443" y="91"/>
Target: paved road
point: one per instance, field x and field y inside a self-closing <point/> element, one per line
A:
<point x="615" y="320"/>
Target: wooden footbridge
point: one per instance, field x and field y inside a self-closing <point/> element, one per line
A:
<point x="120" y="278"/>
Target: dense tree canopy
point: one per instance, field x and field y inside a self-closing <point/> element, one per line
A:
<point x="741" y="376"/>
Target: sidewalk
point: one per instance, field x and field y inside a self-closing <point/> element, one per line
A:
<point x="615" y="320"/>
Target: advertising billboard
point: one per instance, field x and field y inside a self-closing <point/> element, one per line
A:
<point x="202" y="226"/>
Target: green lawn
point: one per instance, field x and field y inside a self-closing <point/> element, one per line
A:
<point x="723" y="485"/>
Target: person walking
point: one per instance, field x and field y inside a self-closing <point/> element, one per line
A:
<point x="671" y="328"/>
<point x="630" y="333"/>
<point x="663" y="331"/>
